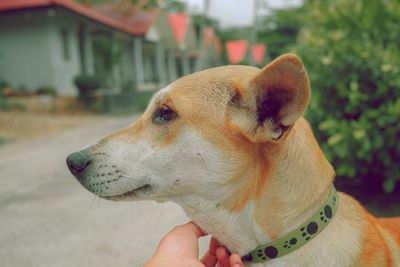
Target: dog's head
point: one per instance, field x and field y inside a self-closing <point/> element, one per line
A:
<point x="198" y="135"/>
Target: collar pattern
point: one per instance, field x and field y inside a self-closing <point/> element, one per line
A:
<point x="298" y="237"/>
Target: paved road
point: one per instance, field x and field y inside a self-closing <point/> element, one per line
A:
<point x="48" y="219"/>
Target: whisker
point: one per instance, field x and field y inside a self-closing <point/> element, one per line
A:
<point x="125" y="177"/>
<point x="204" y="163"/>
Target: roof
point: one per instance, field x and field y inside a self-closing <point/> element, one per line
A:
<point x="135" y="17"/>
<point x="88" y="12"/>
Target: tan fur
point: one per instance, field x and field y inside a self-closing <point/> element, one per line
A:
<point x="280" y="179"/>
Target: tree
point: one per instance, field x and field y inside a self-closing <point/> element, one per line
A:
<point x="280" y="29"/>
<point x="235" y="33"/>
<point x="352" y="54"/>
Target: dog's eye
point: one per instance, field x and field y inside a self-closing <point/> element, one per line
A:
<point x="164" y="115"/>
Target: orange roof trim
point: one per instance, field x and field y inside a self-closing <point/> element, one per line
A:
<point x="80" y="9"/>
<point x="138" y="19"/>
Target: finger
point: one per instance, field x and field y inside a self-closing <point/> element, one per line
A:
<point x="235" y="260"/>
<point x="209" y="259"/>
<point x="213" y="245"/>
<point x="193" y="228"/>
<point x="182" y="241"/>
<point x="223" y="257"/>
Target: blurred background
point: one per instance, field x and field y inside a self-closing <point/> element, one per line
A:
<point x="73" y="71"/>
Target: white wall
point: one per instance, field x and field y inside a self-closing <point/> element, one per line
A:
<point x="64" y="70"/>
<point x="31" y="48"/>
<point x="24" y="50"/>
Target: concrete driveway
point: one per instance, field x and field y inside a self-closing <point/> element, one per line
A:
<point x="48" y="219"/>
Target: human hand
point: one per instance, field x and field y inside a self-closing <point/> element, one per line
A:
<point x="180" y="248"/>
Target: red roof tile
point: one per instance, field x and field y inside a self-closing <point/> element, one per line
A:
<point x="138" y="19"/>
<point x="7" y="5"/>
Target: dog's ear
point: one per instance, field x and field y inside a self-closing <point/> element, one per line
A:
<point x="270" y="102"/>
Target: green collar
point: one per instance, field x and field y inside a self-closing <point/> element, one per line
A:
<point x="298" y="237"/>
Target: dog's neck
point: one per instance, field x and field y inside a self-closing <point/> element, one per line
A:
<point x="298" y="183"/>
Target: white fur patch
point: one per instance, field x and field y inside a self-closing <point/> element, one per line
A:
<point x="158" y="96"/>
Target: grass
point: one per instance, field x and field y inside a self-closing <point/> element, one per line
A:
<point x="4" y="105"/>
<point x="4" y="140"/>
<point x="18" y="126"/>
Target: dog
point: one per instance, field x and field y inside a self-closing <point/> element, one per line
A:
<point x="230" y="145"/>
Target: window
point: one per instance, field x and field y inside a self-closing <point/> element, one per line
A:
<point x="65" y="44"/>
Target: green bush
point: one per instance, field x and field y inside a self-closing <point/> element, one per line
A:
<point x="4" y="84"/>
<point x="4" y="103"/>
<point x="46" y="90"/>
<point x="142" y="99"/>
<point x="352" y="53"/>
<point x="4" y="140"/>
<point x="87" y="85"/>
<point x="279" y="30"/>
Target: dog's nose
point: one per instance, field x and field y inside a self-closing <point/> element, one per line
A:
<point x="78" y="161"/>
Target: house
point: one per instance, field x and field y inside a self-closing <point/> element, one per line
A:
<point x="163" y="58"/>
<point x="175" y="35"/>
<point x="49" y="42"/>
<point x="145" y="51"/>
